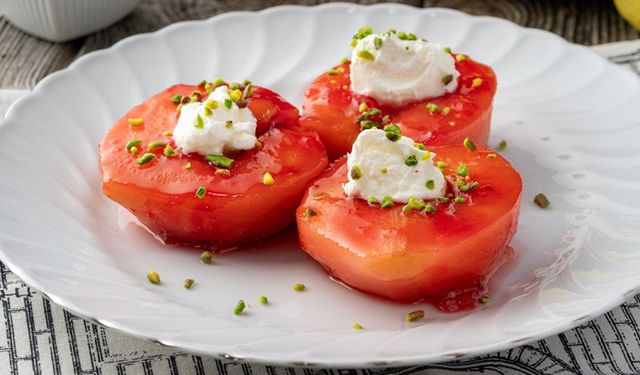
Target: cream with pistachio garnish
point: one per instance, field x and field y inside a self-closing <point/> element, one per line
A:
<point x="386" y="167"/>
<point x="217" y="125"/>
<point x="397" y="67"/>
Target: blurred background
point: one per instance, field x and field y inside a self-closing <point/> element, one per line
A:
<point x="82" y="26"/>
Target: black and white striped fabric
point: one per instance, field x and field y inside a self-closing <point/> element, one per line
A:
<point x="39" y="337"/>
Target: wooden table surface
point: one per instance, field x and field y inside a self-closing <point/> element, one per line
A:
<point x="24" y="59"/>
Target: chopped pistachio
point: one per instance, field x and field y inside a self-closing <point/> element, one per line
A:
<point x="187" y="165"/>
<point x="263" y="300"/>
<point x="447" y="49"/>
<point x="332" y="72"/>
<point x="377" y="42"/>
<point x="185" y="100"/>
<point x="446" y="110"/>
<point x="429" y="208"/>
<point x="134" y="150"/>
<point x="235" y="95"/>
<point x="364" y="54"/>
<point x="430" y="184"/>
<point x="541" y="201"/>
<point x="392" y="132"/>
<point x="220" y="161"/>
<point x="169" y="151"/>
<point x="414" y="316"/>
<point x="207" y="111"/>
<point x="469" y="145"/>
<point x="218" y="82"/>
<point x="413" y="204"/>
<point x="491" y="155"/>
<point x="368" y="124"/>
<point x="411" y="161"/>
<point x="310" y="213"/>
<point x="200" y="192"/>
<point x="188" y="283"/>
<point x="167" y="133"/>
<point x="135" y="122"/>
<point x="211" y="104"/>
<point x="362" y="107"/>
<point x="199" y="122"/>
<point x="446" y="79"/>
<point x="375" y="112"/>
<point x="155" y="144"/>
<point x="420" y="146"/>
<point x="483" y="299"/>
<point x="206" y="257"/>
<point x="502" y="145"/>
<point x="459" y="199"/>
<point x="145" y="158"/>
<point x="387" y="202"/>
<point x="432" y="107"/>
<point x="372" y="201"/>
<point x="176" y="99"/>
<point x="384" y="170"/>
<point x="247" y="92"/>
<point x="344" y="60"/>
<point x="208" y="88"/>
<point x="299" y="287"/>
<point x="440" y="164"/>
<point x="202" y="82"/>
<point x="462" y="170"/>
<point x="461" y="58"/>
<point x="133" y="143"/>
<point x="228" y="103"/>
<point x="469" y="186"/>
<point x="240" y="306"/>
<point x="228" y="124"/>
<point x="426" y="155"/>
<point x="476" y="82"/>
<point x="356" y="173"/>
<point x="357" y="326"/>
<point x="268" y="179"/>
<point x="363" y="32"/>
<point x="153" y="277"/>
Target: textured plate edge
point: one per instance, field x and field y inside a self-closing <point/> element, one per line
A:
<point x="567" y="323"/>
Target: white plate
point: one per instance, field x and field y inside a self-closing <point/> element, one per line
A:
<point x="570" y="117"/>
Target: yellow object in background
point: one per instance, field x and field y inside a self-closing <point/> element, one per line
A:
<point x="630" y="11"/>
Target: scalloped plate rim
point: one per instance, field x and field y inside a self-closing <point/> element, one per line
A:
<point x="6" y="257"/>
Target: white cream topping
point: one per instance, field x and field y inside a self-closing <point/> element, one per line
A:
<point x="382" y="166"/>
<point x="400" y="71"/>
<point x="221" y="130"/>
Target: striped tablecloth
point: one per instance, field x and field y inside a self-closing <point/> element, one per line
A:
<point x="39" y="337"/>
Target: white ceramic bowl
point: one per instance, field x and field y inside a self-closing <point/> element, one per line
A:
<point x="62" y="20"/>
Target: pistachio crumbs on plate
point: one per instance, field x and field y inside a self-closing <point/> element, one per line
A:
<point x="206" y="257"/>
<point x="414" y="316"/>
<point x="188" y="283"/>
<point x="541" y="201"/>
<point x="153" y="277"/>
<point x="240" y="306"/>
<point x="299" y="287"/>
<point x="263" y="300"/>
